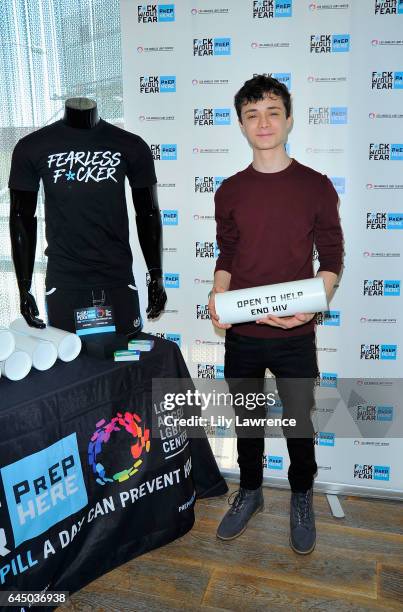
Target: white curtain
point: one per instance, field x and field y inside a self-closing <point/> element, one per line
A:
<point x="50" y="50"/>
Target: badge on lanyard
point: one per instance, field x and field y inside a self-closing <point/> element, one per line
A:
<point x="94" y="320"/>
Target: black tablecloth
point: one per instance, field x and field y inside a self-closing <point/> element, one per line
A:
<point x="84" y="485"/>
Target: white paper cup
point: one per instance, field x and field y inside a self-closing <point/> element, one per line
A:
<point x="68" y="345"/>
<point x="280" y="300"/>
<point x="42" y="352"/>
<point x="17" y="366"/>
<point x="7" y="343"/>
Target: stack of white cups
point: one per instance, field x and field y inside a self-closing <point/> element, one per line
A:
<point x="22" y="347"/>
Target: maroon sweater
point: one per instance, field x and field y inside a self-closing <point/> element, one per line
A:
<point x="267" y="225"/>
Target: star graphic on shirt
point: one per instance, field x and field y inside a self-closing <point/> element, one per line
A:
<point x="70" y="176"/>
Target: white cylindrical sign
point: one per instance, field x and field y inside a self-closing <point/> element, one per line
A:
<point x="68" y="345"/>
<point x="42" y="352"/>
<point x="7" y="343"/>
<point x="17" y="366"/>
<point x="280" y="300"/>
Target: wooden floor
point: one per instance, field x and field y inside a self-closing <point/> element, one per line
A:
<point x="357" y="565"/>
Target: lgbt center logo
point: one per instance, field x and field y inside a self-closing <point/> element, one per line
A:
<point x="138" y="443"/>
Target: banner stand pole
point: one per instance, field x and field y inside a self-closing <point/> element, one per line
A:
<point x="335" y="505"/>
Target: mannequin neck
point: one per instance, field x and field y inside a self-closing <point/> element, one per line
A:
<point x="81" y="113"/>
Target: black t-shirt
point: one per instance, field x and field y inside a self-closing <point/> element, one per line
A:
<point x="83" y="173"/>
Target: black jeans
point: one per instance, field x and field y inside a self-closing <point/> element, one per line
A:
<point x="293" y="362"/>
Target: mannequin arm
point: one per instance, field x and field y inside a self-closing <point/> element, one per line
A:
<point x="149" y="229"/>
<point x="23" y="246"/>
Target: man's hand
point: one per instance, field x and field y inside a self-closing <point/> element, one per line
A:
<point x="29" y="310"/>
<point x="287" y="322"/>
<point x="156" y="298"/>
<point x="211" y="306"/>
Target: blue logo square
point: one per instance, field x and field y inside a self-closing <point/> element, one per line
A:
<point x="398" y="80"/>
<point x="222" y="116"/>
<point x="221" y="431"/>
<point x="326" y="439"/>
<point x="381" y="472"/>
<point x="396" y="152"/>
<point x="170" y="217"/>
<point x="283" y="77"/>
<point x="222" y="46"/>
<point x="339" y="183"/>
<point x="328" y="379"/>
<point x="167" y="84"/>
<point x="219" y="371"/>
<point x="282" y="8"/>
<point x="166" y="12"/>
<point x="384" y="413"/>
<point x="340" y="43"/>
<point x="338" y="115"/>
<point x="174" y="338"/>
<point x="331" y="318"/>
<point x="389" y="351"/>
<point x="218" y="182"/>
<point x="169" y="152"/>
<point x="44" y="488"/>
<point x="400" y="7"/>
<point x="275" y="462"/>
<point x="395" y="221"/>
<point x="391" y="287"/>
<point x="171" y="280"/>
<point x="276" y="408"/>
<point x="216" y="250"/>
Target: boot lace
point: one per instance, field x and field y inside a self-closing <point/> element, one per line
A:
<point x="236" y="500"/>
<point x="303" y="507"/>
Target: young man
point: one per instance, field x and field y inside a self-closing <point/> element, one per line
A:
<point x="269" y="216"/>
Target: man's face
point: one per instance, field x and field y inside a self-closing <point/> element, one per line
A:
<point x="264" y="123"/>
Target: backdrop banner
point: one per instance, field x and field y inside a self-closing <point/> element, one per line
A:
<point x="182" y="64"/>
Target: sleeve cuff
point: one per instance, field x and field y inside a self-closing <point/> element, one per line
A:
<point x="331" y="267"/>
<point x="225" y="266"/>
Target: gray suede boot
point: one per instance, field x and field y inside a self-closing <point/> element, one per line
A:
<point x="302" y="523"/>
<point x="246" y="504"/>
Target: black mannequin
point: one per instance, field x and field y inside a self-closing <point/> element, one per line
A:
<point x="82" y="113"/>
